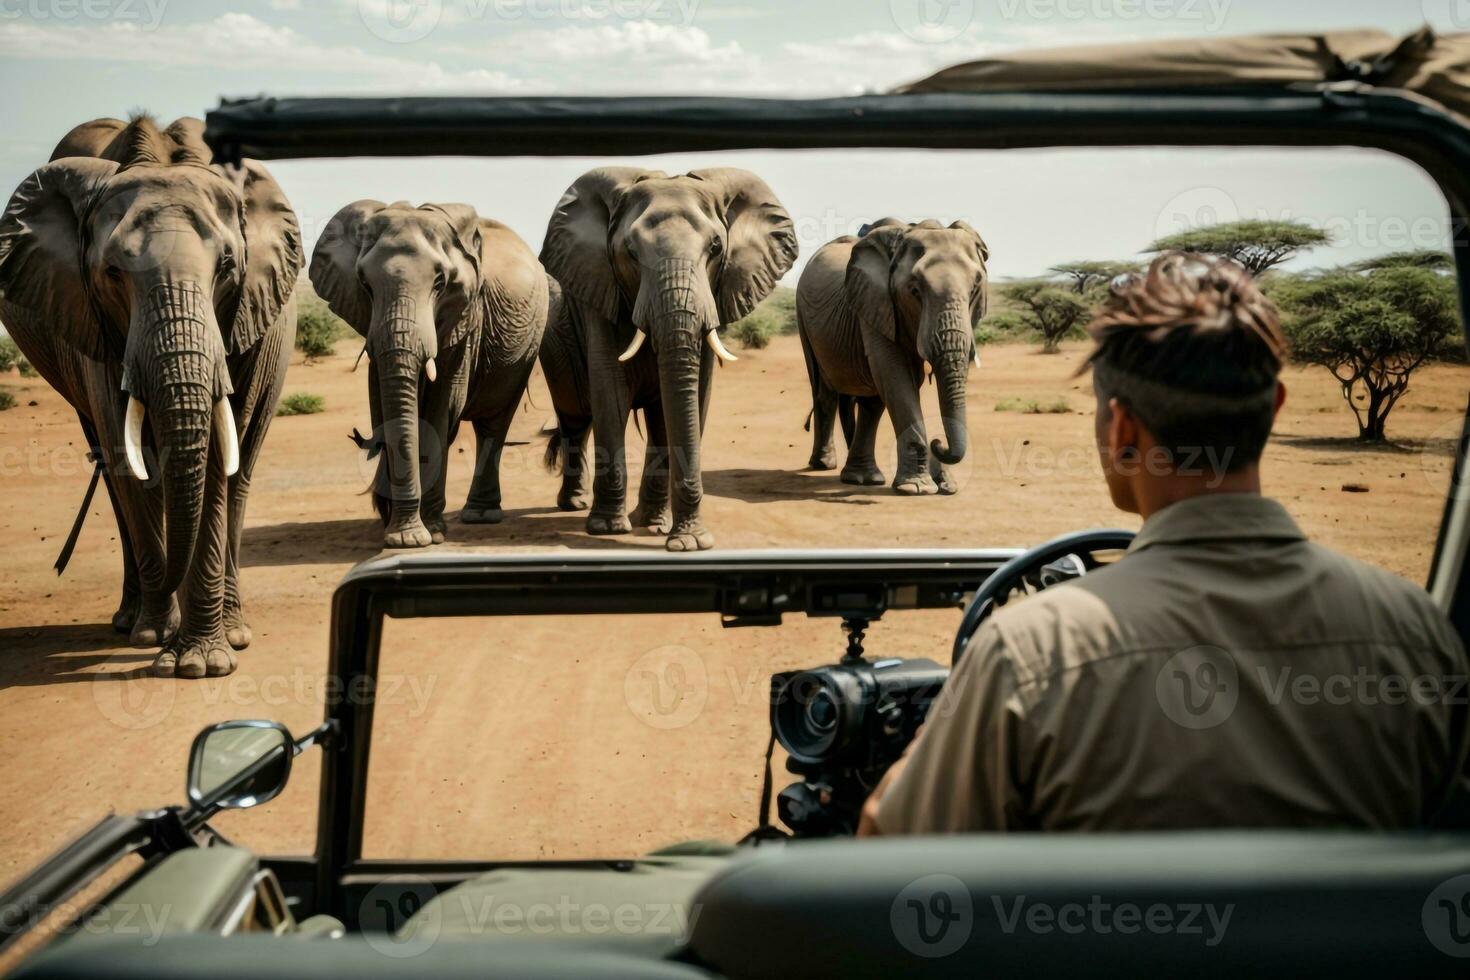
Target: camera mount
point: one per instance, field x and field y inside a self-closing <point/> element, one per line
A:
<point x="856" y="628"/>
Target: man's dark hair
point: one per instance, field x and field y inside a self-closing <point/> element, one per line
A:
<point x="1193" y="349"/>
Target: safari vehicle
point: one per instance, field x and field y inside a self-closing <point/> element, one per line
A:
<point x="795" y="898"/>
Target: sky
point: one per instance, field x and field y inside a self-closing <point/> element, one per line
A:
<point x="66" y="61"/>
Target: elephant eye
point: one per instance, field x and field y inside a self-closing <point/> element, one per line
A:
<point x="914" y="288"/>
<point x="716" y="247"/>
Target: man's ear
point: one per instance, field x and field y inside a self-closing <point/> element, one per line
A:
<point x="1280" y="399"/>
<point x="1123" y="430"/>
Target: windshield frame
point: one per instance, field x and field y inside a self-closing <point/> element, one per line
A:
<point x="270" y="129"/>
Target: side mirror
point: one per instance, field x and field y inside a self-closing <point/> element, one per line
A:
<point x="238" y="764"/>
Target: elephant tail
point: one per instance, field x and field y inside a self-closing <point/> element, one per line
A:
<point x="552" y="458"/>
<point x="813" y="373"/>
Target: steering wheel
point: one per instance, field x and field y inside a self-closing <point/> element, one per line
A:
<point x="1067" y="557"/>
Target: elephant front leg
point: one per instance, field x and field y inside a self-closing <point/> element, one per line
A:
<point x="200" y="648"/>
<point x="611" y="402"/>
<point x="900" y="395"/>
<point x="139" y="510"/>
<point x="652" y="511"/>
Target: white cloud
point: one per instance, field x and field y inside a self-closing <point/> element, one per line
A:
<point x="243" y="43"/>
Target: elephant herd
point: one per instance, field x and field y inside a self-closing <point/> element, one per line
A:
<point x="153" y="288"/>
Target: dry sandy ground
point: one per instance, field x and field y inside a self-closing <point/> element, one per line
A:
<point x="525" y="738"/>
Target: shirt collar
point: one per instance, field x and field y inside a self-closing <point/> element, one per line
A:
<point x="1218" y="517"/>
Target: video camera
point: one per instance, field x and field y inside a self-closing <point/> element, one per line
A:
<point x="842" y="727"/>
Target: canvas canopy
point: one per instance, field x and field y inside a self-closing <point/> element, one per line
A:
<point x="1425" y="64"/>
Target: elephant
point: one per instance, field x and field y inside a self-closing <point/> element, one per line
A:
<point x="155" y="291"/>
<point x="651" y="267"/>
<point x="452" y="306"/>
<point x="871" y="310"/>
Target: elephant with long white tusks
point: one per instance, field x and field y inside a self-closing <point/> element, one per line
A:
<point x="871" y="311"/>
<point x="154" y="290"/>
<point x="452" y="306"/>
<point x="652" y="267"/>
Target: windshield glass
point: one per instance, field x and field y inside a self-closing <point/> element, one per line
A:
<point x="1361" y="459"/>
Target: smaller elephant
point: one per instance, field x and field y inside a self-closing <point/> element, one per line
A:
<point x="453" y="307"/>
<point x="871" y="311"/>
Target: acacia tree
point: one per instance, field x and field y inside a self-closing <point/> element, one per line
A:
<point x="1257" y="245"/>
<point x="1428" y="258"/>
<point x="1085" y="274"/>
<point x="1051" y="310"/>
<point x="1372" y="330"/>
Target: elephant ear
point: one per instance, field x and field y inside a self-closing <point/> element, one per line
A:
<point x="334" y="264"/>
<point x="575" y="250"/>
<point x="466" y="224"/>
<point x="273" y="254"/>
<point x="979" y="304"/>
<point x="43" y="243"/>
<point x="869" y="269"/>
<point x="760" y="244"/>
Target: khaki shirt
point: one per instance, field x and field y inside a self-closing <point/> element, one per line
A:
<point x="1225" y="672"/>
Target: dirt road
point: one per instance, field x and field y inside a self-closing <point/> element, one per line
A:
<point x="535" y="737"/>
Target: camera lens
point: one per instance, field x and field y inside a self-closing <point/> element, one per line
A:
<point x="817" y="713"/>
<point x="821" y="712"/>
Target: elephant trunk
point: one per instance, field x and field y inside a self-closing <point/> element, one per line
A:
<point x="677" y="303"/>
<point x="951" y="361"/>
<point x="401" y="362"/>
<point x="175" y="375"/>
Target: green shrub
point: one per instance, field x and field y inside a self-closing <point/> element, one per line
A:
<point x="7" y="400"/>
<point x="9" y="354"/>
<point x="1004" y="326"/>
<point x="317" y="328"/>
<point x="300" y="403"/>
<point x="775" y="315"/>
<point x="27" y="370"/>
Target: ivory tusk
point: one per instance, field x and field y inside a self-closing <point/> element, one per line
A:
<point x="977" y="357"/>
<point x="133" y="439"/>
<point x="224" y="431"/>
<point x="431" y="372"/>
<point x="638" y="339"/>
<point x="713" y="337"/>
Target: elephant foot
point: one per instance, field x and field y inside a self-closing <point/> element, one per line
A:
<point x="823" y="461"/>
<point x="572" y="500"/>
<point x="862" y="475"/>
<point x="946" y="483"/>
<point x="613" y="524"/>
<point x="915" y="485"/>
<point x="194" y="657"/>
<point x="656" y="518"/>
<point x="690" y="536"/>
<point x="152" y="629"/>
<point x="481" y="515"/>
<point x="236" y="629"/>
<point x="413" y="535"/>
